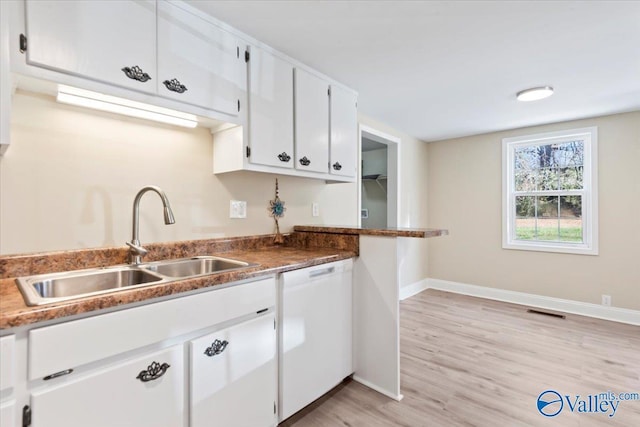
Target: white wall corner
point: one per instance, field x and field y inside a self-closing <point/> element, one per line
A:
<point x="614" y="314"/>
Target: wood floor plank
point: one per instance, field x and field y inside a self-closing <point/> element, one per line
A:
<point x="469" y="361"/>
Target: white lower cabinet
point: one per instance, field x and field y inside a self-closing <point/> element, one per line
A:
<point x="233" y="376"/>
<point x="8" y="414"/>
<point x="204" y="359"/>
<point x="145" y="391"/>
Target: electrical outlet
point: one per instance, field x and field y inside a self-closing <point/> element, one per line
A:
<point x="237" y="209"/>
<point x="315" y="209"/>
<point x="606" y="300"/>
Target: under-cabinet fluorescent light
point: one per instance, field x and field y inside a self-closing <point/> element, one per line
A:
<point x="113" y="104"/>
<point x="535" y="93"/>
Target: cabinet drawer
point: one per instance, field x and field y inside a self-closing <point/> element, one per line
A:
<point x="233" y="375"/>
<point x="7" y="362"/>
<point x="67" y="345"/>
<point x="117" y="396"/>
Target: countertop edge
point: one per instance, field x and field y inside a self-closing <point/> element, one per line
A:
<point x="383" y="232"/>
<point x="26" y="315"/>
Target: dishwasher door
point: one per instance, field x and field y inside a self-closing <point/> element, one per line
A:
<point x="315" y="333"/>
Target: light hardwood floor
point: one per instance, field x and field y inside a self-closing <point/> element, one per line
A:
<point x="469" y="361"/>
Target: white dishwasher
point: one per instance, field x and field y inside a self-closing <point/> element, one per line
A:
<point x="315" y="333"/>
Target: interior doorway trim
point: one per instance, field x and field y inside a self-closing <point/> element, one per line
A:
<point x="393" y="171"/>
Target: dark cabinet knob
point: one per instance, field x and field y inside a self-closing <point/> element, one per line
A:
<point x="284" y="157"/>
<point x="153" y="372"/>
<point x="337" y="166"/>
<point x="174" y="85"/>
<point x="304" y="161"/>
<point x="136" y="73"/>
<point x="216" y="347"/>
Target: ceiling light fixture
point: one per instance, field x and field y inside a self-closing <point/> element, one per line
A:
<point x="534" y="94"/>
<point x="113" y="104"/>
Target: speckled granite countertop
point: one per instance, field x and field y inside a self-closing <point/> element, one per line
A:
<point x="300" y="250"/>
<point x="385" y="232"/>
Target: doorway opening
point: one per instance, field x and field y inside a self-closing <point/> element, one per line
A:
<point x="378" y="189"/>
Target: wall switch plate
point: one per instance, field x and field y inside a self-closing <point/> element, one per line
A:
<point x="606" y="300"/>
<point x="237" y="209"/>
<point x="315" y="209"/>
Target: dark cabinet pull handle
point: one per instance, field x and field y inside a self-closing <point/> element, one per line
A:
<point x="337" y="166"/>
<point x="58" y="374"/>
<point x="216" y="347"/>
<point x="284" y="157"/>
<point x="136" y="73"/>
<point x="153" y="372"/>
<point x="175" y="86"/>
<point x="304" y="161"/>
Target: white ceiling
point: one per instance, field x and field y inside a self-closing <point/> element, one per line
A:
<point x="443" y="69"/>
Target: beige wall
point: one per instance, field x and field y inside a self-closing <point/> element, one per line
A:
<point x="464" y="187"/>
<point x="413" y="201"/>
<point x="70" y="175"/>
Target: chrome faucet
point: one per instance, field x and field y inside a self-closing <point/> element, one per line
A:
<point x="136" y="252"/>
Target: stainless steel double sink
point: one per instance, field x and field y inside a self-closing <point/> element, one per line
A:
<point x="55" y="287"/>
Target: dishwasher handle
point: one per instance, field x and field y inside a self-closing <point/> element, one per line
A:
<point x="322" y="272"/>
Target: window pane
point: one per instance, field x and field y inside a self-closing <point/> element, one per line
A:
<point x="547" y="219"/>
<point x="569" y="154"/>
<point x="546" y="179"/>
<point x="569" y="158"/>
<point x="571" y="178"/>
<point x="525" y="165"/>
<point x="571" y="219"/>
<point x="525" y="218"/>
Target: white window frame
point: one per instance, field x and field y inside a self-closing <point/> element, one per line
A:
<point x="589" y="246"/>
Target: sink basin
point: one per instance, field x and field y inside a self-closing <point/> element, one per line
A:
<point x="48" y="288"/>
<point x="55" y="287"/>
<point x="196" y="266"/>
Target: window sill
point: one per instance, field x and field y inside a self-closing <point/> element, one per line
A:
<point x="579" y="249"/>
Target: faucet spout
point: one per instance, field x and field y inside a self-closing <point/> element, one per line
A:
<point x="136" y="251"/>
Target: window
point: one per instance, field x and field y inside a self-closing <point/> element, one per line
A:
<point x="549" y="192"/>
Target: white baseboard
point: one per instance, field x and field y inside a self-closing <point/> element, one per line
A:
<point x="413" y="289"/>
<point x="615" y="314"/>
<point x="380" y="390"/>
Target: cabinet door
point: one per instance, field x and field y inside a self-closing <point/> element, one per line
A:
<point x="198" y="62"/>
<point x="7" y="362"/>
<point x="5" y="78"/>
<point x="270" y="110"/>
<point x="311" y="122"/>
<point x="8" y="414"/>
<point x="233" y="376"/>
<point x="109" y="41"/>
<point x="344" y="132"/>
<point x="117" y="396"/>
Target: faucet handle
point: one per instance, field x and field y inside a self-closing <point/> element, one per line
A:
<point x="137" y="249"/>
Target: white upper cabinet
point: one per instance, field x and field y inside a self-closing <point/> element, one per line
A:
<point x="198" y="62"/>
<point x="311" y="122"/>
<point x="344" y="132"/>
<point x="108" y="41"/>
<point x="270" y="121"/>
<point x="5" y="78"/>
